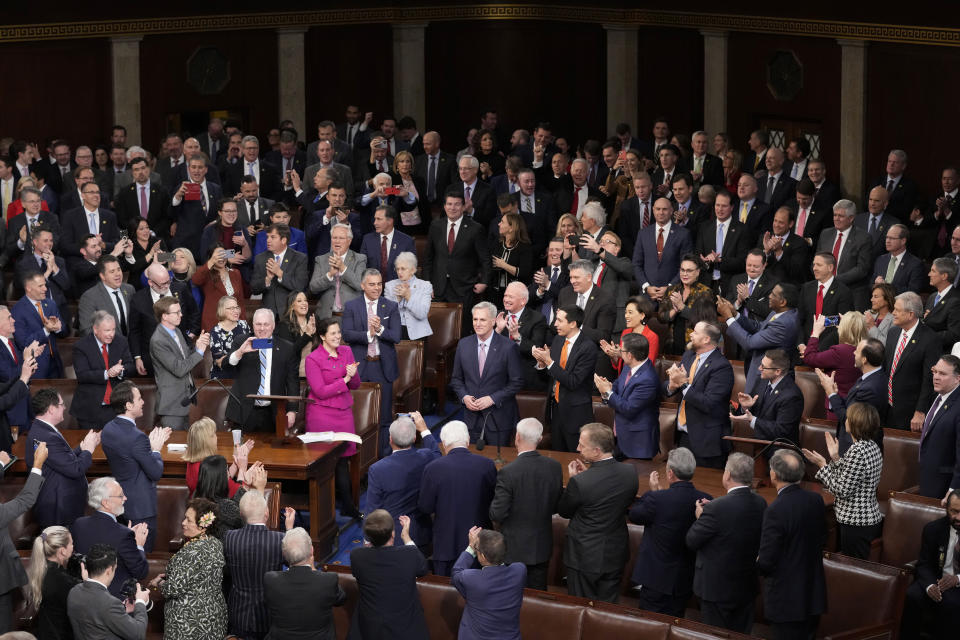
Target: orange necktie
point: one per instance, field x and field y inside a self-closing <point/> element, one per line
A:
<point x="682" y="414"/>
<point x="43" y="318"/>
<point x="563" y="365"/>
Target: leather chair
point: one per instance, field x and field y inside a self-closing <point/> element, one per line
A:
<point x="602" y="412"/>
<point x="814" y="399"/>
<point x="408" y="387"/>
<point x="668" y="428"/>
<point x="533" y="404"/>
<point x="211" y="402"/>
<point x="420" y="243"/>
<point x="441" y="347"/>
<point x="249" y="308"/>
<point x="635" y="531"/>
<point x="65" y="349"/>
<point x="907" y="514"/>
<point x="739" y="379"/>
<point x="556" y="571"/>
<point x="901" y="459"/>
<point x="812" y="432"/>
<point x="366" y="421"/>
<point x="852" y="584"/>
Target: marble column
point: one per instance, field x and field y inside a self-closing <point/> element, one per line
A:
<point x="409" y="73"/>
<point x="714" y="81"/>
<point x="853" y="93"/>
<point x="622" y="76"/>
<point x="125" y="67"/>
<point x="292" y="101"/>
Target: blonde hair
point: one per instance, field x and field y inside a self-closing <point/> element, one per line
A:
<point x="188" y="256"/>
<point x="198" y="440"/>
<point x="402" y="155"/>
<point x="852" y="328"/>
<point x="45" y="546"/>
<point x="571" y="218"/>
<point x="222" y="304"/>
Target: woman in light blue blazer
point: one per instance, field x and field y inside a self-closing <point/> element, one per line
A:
<point x="413" y="295"/>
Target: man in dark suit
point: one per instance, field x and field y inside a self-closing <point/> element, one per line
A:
<point x="192" y="211"/>
<point x="574" y="192"/>
<point x="774" y="405"/>
<point x="144" y="200"/>
<point x="635" y="213"/>
<point x="39" y="320"/>
<point x="759" y="142"/>
<point x="933" y="600"/>
<point x="570" y="363"/>
<point x="791" y="552"/>
<point x="41" y="259"/>
<point x="492" y="593"/>
<point x="851" y="248"/>
<point x="911" y="351"/>
<point x="664" y="567"/>
<point x="824" y="295"/>
<point x="64" y="494"/>
<point x="101" y="361"/>
<point x="902" y="270"/>
<point x="111" y="294"/>
<point x="486" y="377"/>
<point x="524" y="502"/>
<point x="506" y="182"/>
<point x="266" y="372"/>
<point x="213" y="142"/>
<point x="327" y="131"/>
<point x="250" y="552"/>
<point x="191" y="147"/>
<point x="658" y="251"/>
<point x="279" y="270"/>
<point x="634" y="397"/>
<point x="902" y="189"/>
<point x="777" y="188"/>
<point x="288" y="157"/>
<point x="108" y="500"/>
<point x="299" y="601"/>
<point x="812" y="216"/>
<point x="393" y="482"/>
<point x="389" y="605"/>
<point x="933" y="227"/>
<point x="83" y="269"/>
<point x="722" y="243"/>
<point x="705" y="168"/>
<point x="595" y="500"/>
<point x="876" y="221"/>
<point x="668" y="156"/>
<point x="143" y="321"/>
<point x="939" y="469"/>
<point x="726" y="538"/>
<point x="749" y="290"/>
<point x="16" y="369"/>
<point x="787" y="254"/>
<point x="457" y="490"/>
<point x="377" y="196"/>
<point x="437" y="169"/>
<point x="549" y="281"/>
<point x="96" y="613"/>
<point x="691" y="213"/>
<point x="825" y="192"/>
<point x="941" y="311"/>
<point x="371" y="326"/>
<point x="752" y="210"/>
<point x="538" y="210"/>
<point x="599" y="306"/>
<point x="20" y="227"/>
<point x="88" y="218"/>
<point x="480" y="201"/>
<point x="870" y="388"/>
<point x="458" y="256"/>
<point x="385" y="242"/>
<point x="267" y="175"/>
<point x="319" y="222"/>
<point x="527" y="328"/>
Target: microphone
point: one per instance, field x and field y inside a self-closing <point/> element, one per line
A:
<point x="190" y="398"/>
<point x="783" y="443"/>
<point x="481" y="441"/>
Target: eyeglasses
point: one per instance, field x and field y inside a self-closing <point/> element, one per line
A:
<point x="176" y="313"/>
<point x="231" y="308"/>
<point x="119" y="497"/>
<point x="689" y="270"/>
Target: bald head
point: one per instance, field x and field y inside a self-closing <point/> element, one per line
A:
<point x="431" y="142"/>
<point x="662" y="211"/>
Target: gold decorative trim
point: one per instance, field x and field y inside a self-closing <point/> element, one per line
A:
<point x="905" y="34"/>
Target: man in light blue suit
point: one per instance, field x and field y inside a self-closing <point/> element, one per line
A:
<point x="655" y="269"/>
<point x="487" y="375"/>
<point x="780" y="330"/>
<point x="635" y="398"/>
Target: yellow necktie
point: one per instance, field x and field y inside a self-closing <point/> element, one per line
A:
<point x="682" y="414"/>
<point x="743" y="213"/>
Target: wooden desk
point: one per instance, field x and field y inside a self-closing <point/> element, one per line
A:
<point x="313" y="463"/>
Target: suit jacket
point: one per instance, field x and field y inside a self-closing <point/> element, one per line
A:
<point x="297" y="163"/>
<point x="58" y="284"/>
<point x="502" y="380"/>
<point x="912" y="381"/>
<point x="250" y="552"/>
<point x="349" y="281"/>
<point x="837" y="300"/>
<point x="910" y="274"/>
<point x="630" y="222"/>
<point x="757" y="337"/>
<point x="318" y="234"/>
<point x="97" y="298"/>
<point x="778" y="412"/>
<point x="564" y="196"/>
<point x="261" y="209"/>
<point x="96" y="614"/>
<point x="596" y="501"/>
<point x="903" y="199"/>
<point x="343" y="173"/>
<point x="524" y="502"/>
<point x="191" y="217"/>
<point x="944" y="316"/>
<point x="29" y="327"/>
<point x="635" y="400"/>
<point x="541" y="221"/>
<point x="784" y="191"/>
<point x="299" y="603"/>
<point x="14" y="396"/>
<point x="756" y="306"/>
<point x="736" y="245"/>
<point x="222" y="144"/>
<point x="389" y="605"/>
<point x="45" y="218"/>
<point x="270" y="179"/>
<point x="142" y="322"/>
<point x="284" y="379"/>
<point x="665" y="270"/>
<point x="64" y="493"/>
<point x="854" y="267"/>
<point x="370" y="247"/>
<point x="74" y="227"/>
<point x="547" y="303"/>
<point x="599" y="315"/>
<point x="446" y="175"/>
<point x="467" y="264"/>
<point x="493" y="597"/>
<point x="791" y="556"/>
<point x="871" y="390"/>
<point x="484" y="202"/>
<point x="102" y="528"/>
<point x="759" y="217"/>
<point x="355" y="333"/>
<point x="939" y="468"/>
<point x="819" y="219"/>
<point x="457" y="489"/>
<point x="172" y="365"/>
<point x="12" y="574"/>
<point x="135" y="466"/>
<point x="663" y="561"/>
<point x="501" y="184"/>
<point x="793" y="265"/>
<point x="575" y="407"/>
<point x="826" y="196"/>
<point x="393" y="483"/>
<point x="712" y="170"/>
<point x="726" y="538"/>
<point x="879" y="234"/>
<point x="88" y="404"/>
<point x="707" y="403"/>
<point x="295" y="278"/>
<point x="933" y="547"/>
<point x="533" y="333"/>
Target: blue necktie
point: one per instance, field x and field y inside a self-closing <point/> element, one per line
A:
<point x="262" y="389"/>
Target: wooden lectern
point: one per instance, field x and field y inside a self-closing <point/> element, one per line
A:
<point x="761" y="468"/>
<point x="282" y="438"/>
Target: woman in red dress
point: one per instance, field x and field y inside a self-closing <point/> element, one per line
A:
<point x="636" y="314"/>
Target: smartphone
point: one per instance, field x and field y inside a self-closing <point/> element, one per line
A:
<point x="10" y="464"/>
<point x="573" y="239"/>
<point x="123" y="234"/>
<point x="623" y="156"/>
<point x="36" y="443"/>
<point x="166" y="256"/>
<point x="229" y="253"/>
<point x="403" y="415"/>
<point x="238" y="232"/>
<point x="383" y="144"/>
<point x="831" y="321"/>
<point x="262" y="343"/>
<point x="392" y="191"/>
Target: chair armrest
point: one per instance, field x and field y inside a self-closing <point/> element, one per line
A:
<point x="865" y="633"/>
<point x="876" y="548"/>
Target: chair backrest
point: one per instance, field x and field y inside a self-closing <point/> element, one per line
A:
<point x="812" y="437"/>
<point x="602" y="412"/>
<point x="366" y="421"/>
<point x="410" y="369"/>
<point x="814" y="398"/>
<point x="444" y="318"/>
<point x="901" y="459"/>
<point x="65" y="349"/>
<point x="211" y="402"/>
<point x="668" y="427"/>
<point x="907" y="514"/>
<point x="851" y="584"/>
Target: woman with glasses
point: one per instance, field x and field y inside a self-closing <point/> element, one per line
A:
<point x="227" y="335"/>
<point x="686" y="303"/>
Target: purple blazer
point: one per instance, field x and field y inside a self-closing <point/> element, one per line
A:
<point x="330" y="395"/>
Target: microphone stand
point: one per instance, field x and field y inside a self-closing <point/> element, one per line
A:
<point x="186" y="401"/>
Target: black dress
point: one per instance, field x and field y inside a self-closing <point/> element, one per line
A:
<point x="52" y="620"/>
<point x="520" y="255"/>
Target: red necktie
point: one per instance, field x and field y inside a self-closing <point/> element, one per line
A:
<point x="660" y="244"/>
<point x="576" y="200"/>
<point x="819" y="307"/>
<point x="13" y="352"/>
<point x="106" y="365"/>
<point x="836" y="251"/>
<point x="645" y="214"/>
<point x="383" y="253"/>
<point x="893" y="367"/>
<point x="603" y="269"/>
<point x="451" y="238"/>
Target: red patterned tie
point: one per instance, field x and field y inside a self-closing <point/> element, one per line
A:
<point x="383" y="254"/>
<point x="893" y="367"/>
<point x="836" y="251"/>
<point x="106" y="365"/>
<point x="451" y="238"/>
<point x="819" y="307"/>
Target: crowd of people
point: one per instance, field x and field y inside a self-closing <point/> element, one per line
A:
<point x="577" y="264"/>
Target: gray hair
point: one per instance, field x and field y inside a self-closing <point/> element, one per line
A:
<point x="900" y="153"/>
<point x="682" y="463"/>
<point x="403" y="432"/>
<point x="455" y="434"/>
<point x="99" y="491"/>
<point x="787" y="466"/>
<point x="582" y="265"/>
<point x="297" y="546"/>
<point x="846" y="206"/>
<point x="370" y="272"/>
<point x="740" y="468"/>
<point x="911" y="303"/>
<point x="136" y="151"/>
<point x="698" y="133"/>
<point x="383" y="176"/>
<point x="485" y="306"/>
<point x="946" y="266"/>
<point x="712" y="331"/>
<point x="580" y="161"/>
<point x="473" y="162"/>
<point x="253" y="506"/>
<point x="99" y="317"/>
<point x="595" y="211"/>
<point x="340" y="225"/>
<point x="262" y="311"/>
<point x="522" y="291"/>
<point x="408" y="258"/>
<point x="530" y="430"/>
<point x="252" y="139"/>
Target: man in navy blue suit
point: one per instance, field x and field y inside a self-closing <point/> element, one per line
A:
<point x="393" y="483"/>
<point x="487" y="375"/>
<point x="101" y="360"/>
<point x="371" y="326"/>
<point x="38" y="320"/>
<point x="107" y="498"/>
<point x="907" y="271"/>
<point x="385" y="242"/>
<point x="658" y="251"/>
<point x="64" y="493"/>
<point x="493" y="593"/>
<point x="193" y="205"/>
<point x="664" y="566"/>
<point x="457" y="490"/>
<point x="774" y="406"/>
<point x="317" y="227"/>
<point x="939" y="469"/>
<point x="134" y="458"/>
<point x="870" y="387"/>
<point x="11" y="368"/>
<point x="704" y="377"/>
<point x="791" y="552"/>
<point x="635" y="399"/>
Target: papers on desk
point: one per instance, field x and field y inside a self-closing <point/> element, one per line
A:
<point x="329" y="436"/>
<point x="173" y="447"/>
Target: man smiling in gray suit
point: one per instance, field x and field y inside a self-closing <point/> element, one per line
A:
<point x="173" y="359"/>
<point x="337" y="273"/>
